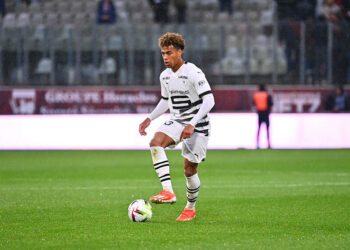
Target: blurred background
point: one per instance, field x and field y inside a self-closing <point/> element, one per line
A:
<point x="102" y="56"/>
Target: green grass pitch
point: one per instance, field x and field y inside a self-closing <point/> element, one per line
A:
<point x="249" y="199"/>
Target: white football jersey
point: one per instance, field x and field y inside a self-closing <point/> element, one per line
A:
<point x="184" y="90"/>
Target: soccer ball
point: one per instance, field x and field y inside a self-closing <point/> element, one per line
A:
<point x="140" y="211"/>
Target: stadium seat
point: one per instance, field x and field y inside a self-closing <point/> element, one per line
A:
<point x="49" y="6"/>
<point x="115" y="42"/>
<point x="233" y="52"/>
<point x="252" y="16"/>
<point x="267" y="66"/>
<point x="238" y="16"/>
<point x="108" y="66"/>
<point x="37" y="19"/>
<point x="266" y="17"/>
<point x="44" y="66"/>
<point x="9" y="21"/>
<point x="52" y="18"/>
<point x="62" y="7"/>
<point x="254" y="66"/>
<point x="34" y="8"/>
<point x="66" y="18"/>
<point x="23" y="20"/>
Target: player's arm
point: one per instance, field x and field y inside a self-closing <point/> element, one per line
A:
<point x="207" y="105"/>
<point x="160" y="109"/>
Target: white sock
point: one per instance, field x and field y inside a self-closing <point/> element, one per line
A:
<point x="193" y="184"/>
<point x="161" y="165"/>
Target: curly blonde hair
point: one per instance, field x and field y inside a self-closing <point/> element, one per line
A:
<point x="174" y="39"/>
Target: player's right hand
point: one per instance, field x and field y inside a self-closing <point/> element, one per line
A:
<point x="144" y="125"/>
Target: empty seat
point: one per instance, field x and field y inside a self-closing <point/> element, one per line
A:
<point x="66" y="18"/>
<point x="44" y="66"/>
<point x="23" y="20"/>
<point x="62" y="7"/>
<point x="49" y="6"/>
<point x="80" y="19"/>
<point x="37" y="19"/>
<point x="34" y="8"/>
<point x="266" y="17"/>
<point x="9" y="21"/>
<point x="252" y="16"/>
<point x="233" y="41"/>
<point x="52" y="19"/>
<point x="108" y="66"/>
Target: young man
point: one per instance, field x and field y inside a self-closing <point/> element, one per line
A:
<point x="263" y="104"/>
<point x="186" y="92"/>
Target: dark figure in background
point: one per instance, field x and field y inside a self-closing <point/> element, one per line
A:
<point x="305" y="9"/>
<point x="106" y="12"/>
<point x="289" y="33"/>
<point x="160" y="10"/>
<point x="332" y="13"/>
<point x="286" y="9"/>
<point x="226" y="5"/>
<point x="340" y="100"/>
<point x="2" y="8"/>
<point x="263" y="104"/>
<point x="181" y="6"/>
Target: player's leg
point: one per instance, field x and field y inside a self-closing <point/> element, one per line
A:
<point x="267" y="122"/>
<point x="258" y="132"/>
<point x="161" y="165"/>
<point x="194" y="151"/>
<point x="193" y="185"/>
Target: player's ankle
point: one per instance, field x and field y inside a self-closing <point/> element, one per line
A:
<point x="188" y="207"/>
<point x="169" y="189"/>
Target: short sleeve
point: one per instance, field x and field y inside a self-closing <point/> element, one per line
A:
<point x="201" y="84"/>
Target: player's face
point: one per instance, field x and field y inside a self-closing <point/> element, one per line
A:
<point x="172" y="57"/>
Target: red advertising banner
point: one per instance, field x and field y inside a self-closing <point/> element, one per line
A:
<point x="107" y="100"/>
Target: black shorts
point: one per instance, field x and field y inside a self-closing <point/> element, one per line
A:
<point x="264" y="117"/>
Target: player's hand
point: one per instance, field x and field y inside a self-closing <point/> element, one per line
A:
<point x="144" y="125"/>
<point x="187" y="132"/>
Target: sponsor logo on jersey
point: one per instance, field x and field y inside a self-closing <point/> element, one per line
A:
<point x="183" y="77"/>
<point x="186" y="92"/>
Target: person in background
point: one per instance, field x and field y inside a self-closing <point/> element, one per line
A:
<point x="263" y="104"/>
<point x="160" y="9"/>
<point x="340" y="100"/>
<point x="106" y="12"/>
<point x="181" y="6"/>
<point x="226" y="5"/>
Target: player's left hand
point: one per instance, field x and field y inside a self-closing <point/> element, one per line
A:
<point x="187" y="132"/>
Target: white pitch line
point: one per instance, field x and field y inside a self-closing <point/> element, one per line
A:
<point x="277" y="185"/>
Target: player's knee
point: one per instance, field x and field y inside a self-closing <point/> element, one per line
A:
<point x="155" y="143"/>
<point x="189" y="171"/>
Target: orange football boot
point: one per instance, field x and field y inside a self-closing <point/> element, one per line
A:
<point x="187" y="215"/>
<point x="163" y="197"/>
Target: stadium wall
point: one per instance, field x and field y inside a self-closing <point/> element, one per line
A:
<point x="120" y="131"/>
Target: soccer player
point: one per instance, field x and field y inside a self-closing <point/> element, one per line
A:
<point x="186" y="93"/>
<point x="263" y="104"/>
